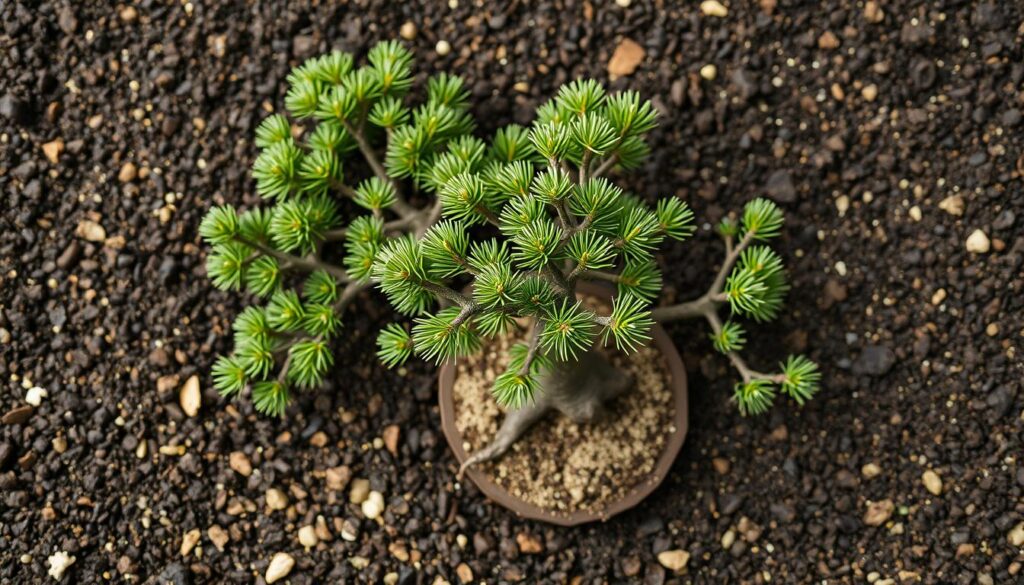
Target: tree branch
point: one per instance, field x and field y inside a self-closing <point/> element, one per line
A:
<point x="531" y="354"/>
<point x="400" y="205"/>
<point x="605" y="165"/>
<point x="292" y="261"/>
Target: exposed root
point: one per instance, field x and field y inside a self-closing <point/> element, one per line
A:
<point x="578" y="390"/>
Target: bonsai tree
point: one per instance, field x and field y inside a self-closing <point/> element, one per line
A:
<point x="517" y="222"/>
<point x="356" y="147"/>
<point x="556" y="220"/>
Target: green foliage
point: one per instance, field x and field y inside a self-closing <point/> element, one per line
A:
<point x="394" y="345"/>
<point x="524" y="216"/>
<point x="630" y="323"/>
<point x="731" y="337"/>
<point x="568" y="330"/>
<point x="800" y="378"/>
<point x="757" y="285"/>
<point x="443" y="336"/>
<point x="754" y="397"/>
<point x="763" y="218"/>
<point x="228" y="376"/>
<point x="517" y="385"/>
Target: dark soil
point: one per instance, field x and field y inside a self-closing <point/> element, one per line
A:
<point x="860" y="134"/>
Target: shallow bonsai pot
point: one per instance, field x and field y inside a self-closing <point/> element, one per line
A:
<point x="497" y="493"/>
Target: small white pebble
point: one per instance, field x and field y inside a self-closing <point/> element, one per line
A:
<point x="623" y="3"/>
<point x="842" y="205"/>
<point x="841" y="268"/>
<point x="443" y="48"/>
<point x="714" y="8"/>
<point x="35" y="395"/>
<point x="709" y="72"/>
<point x="978" y="242"/>
<point x="915" y="213"/>
<point x="308" y="537"/>
<point x="59" y="562"/>
<point x="374" y="505"/>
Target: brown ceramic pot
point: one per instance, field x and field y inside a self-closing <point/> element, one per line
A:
<point x="498" y="494"/>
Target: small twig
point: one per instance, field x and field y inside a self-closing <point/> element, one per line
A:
<point x="488" y="214"/>
<point x="731" y="255"/>
<point x="584" y="166"/>
<point x="605" y="165"/>
<point x="345" y="189"/>
<point x="400" y="205"/>
<point x="306" y="264"/>
<point x="738" y="362"/>
<point x="537" y="325"/>
<point x="447" y="293"/>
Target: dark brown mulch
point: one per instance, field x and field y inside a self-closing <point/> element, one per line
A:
<point x="915" y="380"/>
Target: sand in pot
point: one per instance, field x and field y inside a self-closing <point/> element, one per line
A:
<point x="560" y="465"/>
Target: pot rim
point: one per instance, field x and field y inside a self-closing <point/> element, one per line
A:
<point x="680" y="418"/>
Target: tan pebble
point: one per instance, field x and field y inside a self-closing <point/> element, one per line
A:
<point x="915" y="213"/>
<point x="1016" y="536"/>
<point x="360" y="491"/>
<point x="626" y="58"/>
<point x="953" y="205"/>
<point x="319" y="440"/>
<point x="321" y="529"/>
<point x="391" y="435"/>
<point x="91" y="231"/>
<point x="240" y="463"/>
<point x="721" y="465"/>
<point x="709" y="72"/>
<point x="938" y="296"/>
<point x="828" y="40"/>
<point x="218" y="536"/>
<point x="127" y="173"/>
<point x="932" y="482"/>
<point x="308" y="537"/>
<point x="529" y="544"/>
<point x="189" y="397"/>
<point x="53" y="150"/>
<point x="464" y="573"/>
<point x="408" y="30"/>
<point x="189" y="541"/>
<point x="674" y="560"/>
<point x="443" y="47"/>
<point x="878" y="512"/>
<point x="338" y="477"/>
<point x="399" y="551"/>
<point x="728" y="538"/>
<point x="128" y="14"/>
<point x="280" y="565"/>
<point x="992" y="329"/>
<point x="873" y="13"/>
<point x="870" y="470"/>
<point x="870" y="92"/>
